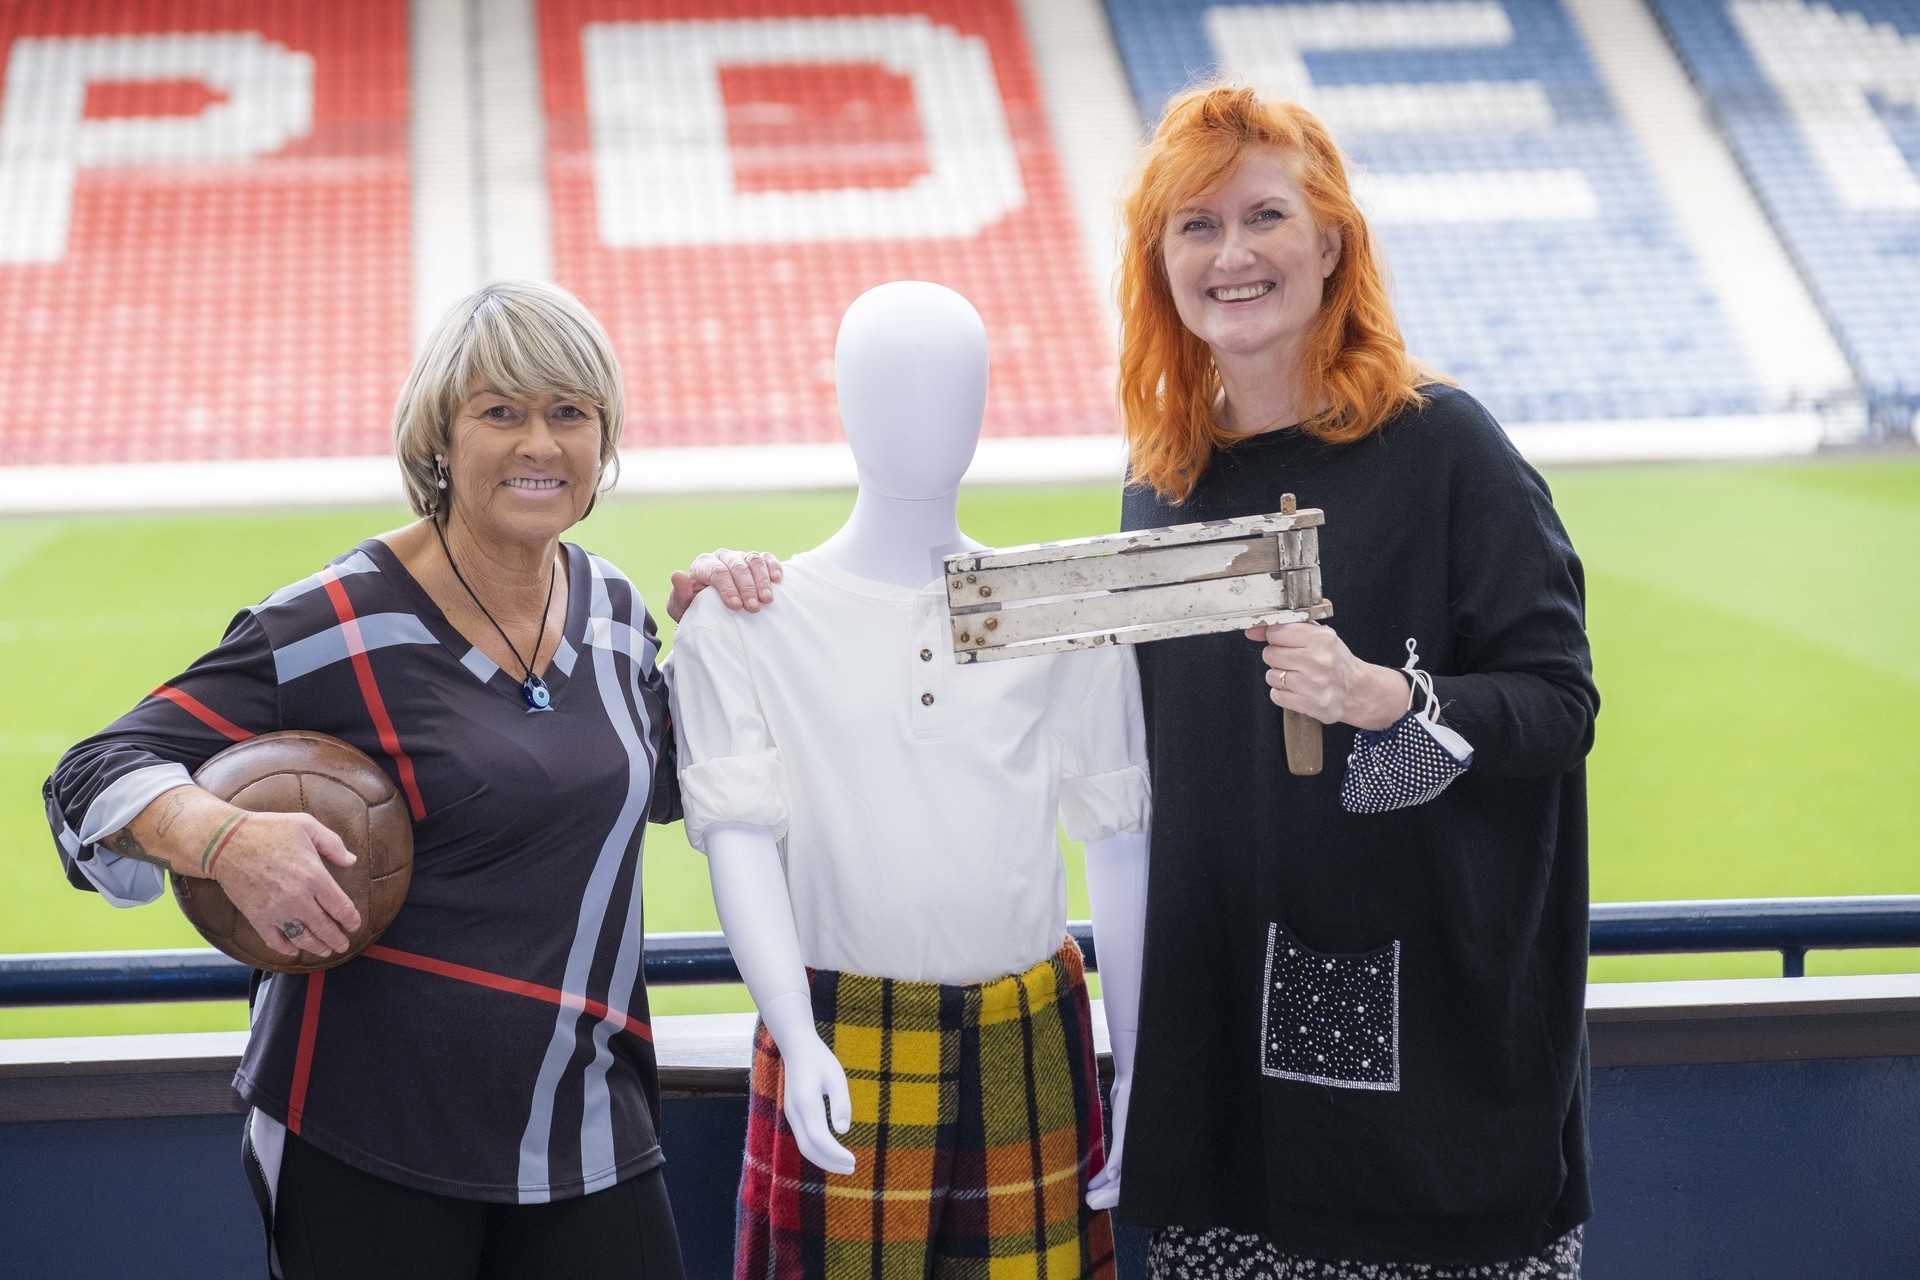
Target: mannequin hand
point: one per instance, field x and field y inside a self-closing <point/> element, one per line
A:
<point x="816" y="1083"/>
<point x="743" y="579"/>
<point x="1324" y="680"/>
<point x="1103" y="1191"/>
<point x="815" y="1080"/>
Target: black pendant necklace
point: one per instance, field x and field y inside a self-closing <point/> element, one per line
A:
<point x="533" y="688"/>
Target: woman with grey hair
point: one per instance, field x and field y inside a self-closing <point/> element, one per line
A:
<point x="477" y="1095"/>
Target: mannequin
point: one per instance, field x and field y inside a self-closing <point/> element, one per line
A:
<point x="910" y="367"/>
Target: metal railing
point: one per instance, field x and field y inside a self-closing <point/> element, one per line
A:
<point x="1791" y="926"/>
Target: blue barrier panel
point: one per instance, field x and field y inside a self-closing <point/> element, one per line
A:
<point x="164" y="1199"/>
<point x="1756" y="1169"/>
<point x="1532" y="252"/>
<point x="1819" y="104"/>
<point x="1767" y="1171"/>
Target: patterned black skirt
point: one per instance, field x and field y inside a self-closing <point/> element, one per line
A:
<point x="1217" y="1253"/>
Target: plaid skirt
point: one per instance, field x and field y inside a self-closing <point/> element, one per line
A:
<point x="976" y="1125"/>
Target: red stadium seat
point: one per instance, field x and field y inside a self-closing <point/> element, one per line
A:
<point x="815" y="150"/>
<point x="206" y="215"/>
<point x="203" y="229"/>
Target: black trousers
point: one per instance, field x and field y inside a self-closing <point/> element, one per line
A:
<point x="334" y="1222"/>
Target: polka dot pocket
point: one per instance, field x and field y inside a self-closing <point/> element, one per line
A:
<point x="1331" y="1019"/>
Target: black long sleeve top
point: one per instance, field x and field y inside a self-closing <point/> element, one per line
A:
<point x="1364" y="1036"/>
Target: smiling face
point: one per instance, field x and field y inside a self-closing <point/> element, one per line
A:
<point x="522" y="468"/>
<point x="1246" y="264"/>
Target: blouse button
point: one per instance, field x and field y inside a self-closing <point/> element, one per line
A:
<point x="926" y="655"/>
<point x="926" y="699"/>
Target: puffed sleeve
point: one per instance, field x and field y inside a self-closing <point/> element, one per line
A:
<point x="103" y="783"/>
<point x="730" y="767"/>
<point x="1103" y="768"/>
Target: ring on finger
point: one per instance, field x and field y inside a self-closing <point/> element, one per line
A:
<point x="1280" y="678"/>
<point x="292" y="929"/>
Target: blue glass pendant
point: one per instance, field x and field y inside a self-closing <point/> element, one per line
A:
<point x="534" y="689"/>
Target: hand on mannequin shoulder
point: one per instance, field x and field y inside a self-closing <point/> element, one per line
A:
<point x="744" y="580"/>
<point x="756" y="913"/>
<point x="1117" y="890"/>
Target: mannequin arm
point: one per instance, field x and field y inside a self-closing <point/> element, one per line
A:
<point x="1117" y="889"/>
<point x="750" y="892"/>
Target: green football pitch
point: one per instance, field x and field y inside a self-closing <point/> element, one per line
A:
<point x="1756" y="635"/>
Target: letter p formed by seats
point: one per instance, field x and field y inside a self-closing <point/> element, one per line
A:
<point x="255" y="97"/>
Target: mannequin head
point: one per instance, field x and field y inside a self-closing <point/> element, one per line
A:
<point x="911" y="369"/>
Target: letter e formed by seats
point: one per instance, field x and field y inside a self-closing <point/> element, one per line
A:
<point x="1828" y="67"/>
<point x="264" y="100"/>
<point x="662" y="170"/>
<point x="1267" y="45"/>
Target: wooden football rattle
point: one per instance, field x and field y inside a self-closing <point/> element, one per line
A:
<point x="1150" y="584"/>
<point x="301" y="772"/>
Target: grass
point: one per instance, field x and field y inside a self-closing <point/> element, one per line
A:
<point x="1754" y="632"/>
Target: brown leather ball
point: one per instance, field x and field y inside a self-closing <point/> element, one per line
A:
<point x="300" y="772"/>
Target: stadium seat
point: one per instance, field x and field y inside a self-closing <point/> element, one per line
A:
<point x="213" y="241"/>
<point x="723" y="187"/>
<point x="1819" y="101"/>
<point x="1532" y="253"/>
<point x="203" y="229"/>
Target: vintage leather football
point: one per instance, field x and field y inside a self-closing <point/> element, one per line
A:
<point x="297" y="771"/>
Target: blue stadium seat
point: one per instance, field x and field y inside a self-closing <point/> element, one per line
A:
<point x="1533" y="255"/>
<point x="1819" y="102"/>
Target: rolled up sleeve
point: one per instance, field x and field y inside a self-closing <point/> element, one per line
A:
<point x="730" y="766"/>
<point x="1104" y="787"/>
<point x="105" y="782"/>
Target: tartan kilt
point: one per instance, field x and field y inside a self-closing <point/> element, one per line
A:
<point x="976" y="1126"/>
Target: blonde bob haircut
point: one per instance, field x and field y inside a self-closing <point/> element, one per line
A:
<point x="1353" y="360"/>
<point x="520" y="338"/>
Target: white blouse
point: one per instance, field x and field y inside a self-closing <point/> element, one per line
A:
<point x="914" y="798"/>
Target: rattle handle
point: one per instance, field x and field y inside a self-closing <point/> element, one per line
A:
<point x="1304" y="755"/>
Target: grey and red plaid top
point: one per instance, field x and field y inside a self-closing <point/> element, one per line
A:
<point x="494" y="1044"/>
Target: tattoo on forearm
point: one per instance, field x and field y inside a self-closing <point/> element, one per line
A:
<point x="123" y="843"/>
<point x="174" y="803"/>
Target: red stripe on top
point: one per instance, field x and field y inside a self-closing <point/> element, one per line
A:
<point x="370" y="692"/>
<point x="512" y="986"/>
<point x="202" y="712"/>
<point x="303" y="1056"/>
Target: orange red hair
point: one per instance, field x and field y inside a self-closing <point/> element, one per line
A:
<point x="1353" y="361"/>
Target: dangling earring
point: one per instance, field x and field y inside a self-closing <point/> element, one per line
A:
<point x="439" y="478"/>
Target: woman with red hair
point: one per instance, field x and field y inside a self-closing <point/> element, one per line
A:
<point x="1361" y="1045"/>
